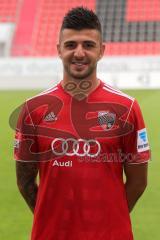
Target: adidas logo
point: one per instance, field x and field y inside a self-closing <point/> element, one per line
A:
<point x="50" y="117"/>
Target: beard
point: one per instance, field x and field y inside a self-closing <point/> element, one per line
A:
<point x="80" y="75"/>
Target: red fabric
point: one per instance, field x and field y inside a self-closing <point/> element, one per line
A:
<point x="87" y="199"/>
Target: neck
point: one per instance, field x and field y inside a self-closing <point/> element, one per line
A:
<point x="80" y="88"/>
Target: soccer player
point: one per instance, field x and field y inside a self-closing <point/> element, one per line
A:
<point x="79" y="137"/>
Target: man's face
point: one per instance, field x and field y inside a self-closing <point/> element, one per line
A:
<point x="80" y="52"/>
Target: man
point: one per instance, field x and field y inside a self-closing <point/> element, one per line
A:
<point x="79" y="136"/>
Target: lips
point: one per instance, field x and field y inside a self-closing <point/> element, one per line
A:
<point x="79" y="63"/>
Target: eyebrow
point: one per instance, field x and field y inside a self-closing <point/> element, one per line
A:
<point x="90" y="41"/>
<point x="69" y="42"/>
<point x="87" y="41"/>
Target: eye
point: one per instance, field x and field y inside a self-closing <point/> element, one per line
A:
<point x="89" y="45"/>
<point x="70" y="45"/>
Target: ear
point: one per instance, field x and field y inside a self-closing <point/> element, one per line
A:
<point x="102" y="50"/>
<point x="59" y="50"/>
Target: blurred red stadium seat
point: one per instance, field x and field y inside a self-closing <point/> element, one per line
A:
<point x="125" y="25"/>
<point x="8" y="10"/>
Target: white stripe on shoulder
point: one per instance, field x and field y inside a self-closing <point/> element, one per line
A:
<point x="118" y="92"/>
<point x="48" y="90"/>
<point x="112" y="90"/>
<point x="44" y="92"/>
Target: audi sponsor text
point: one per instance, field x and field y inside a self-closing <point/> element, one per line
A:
<point x="62" y="163"/>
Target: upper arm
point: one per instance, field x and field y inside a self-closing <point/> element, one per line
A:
<point x="135" y="143"/>
<point x="26" y="173"/>
<point x="26" y="144"/>
<point x="136" y="173"/>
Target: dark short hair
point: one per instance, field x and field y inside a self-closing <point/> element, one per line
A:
<point x="80" y="18"/>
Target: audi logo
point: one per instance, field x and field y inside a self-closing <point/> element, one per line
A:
<point x="78" y="147"/>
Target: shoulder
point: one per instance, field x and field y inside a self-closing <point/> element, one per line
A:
<point x="117" y="94"/>
<point x="48" y="92"/>
<point x="37" y="106"/>
<point x="119" y="99"/>
<point x="45" y="97"/>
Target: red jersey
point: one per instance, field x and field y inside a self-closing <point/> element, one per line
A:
<point x="81" y="147"/>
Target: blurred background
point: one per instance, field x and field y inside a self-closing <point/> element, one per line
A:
<point x="29" y="63"/>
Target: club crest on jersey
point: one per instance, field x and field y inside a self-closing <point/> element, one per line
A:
<point x="106" y="119"/>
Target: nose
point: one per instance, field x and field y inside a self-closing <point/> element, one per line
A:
<point x="79" y="52"/>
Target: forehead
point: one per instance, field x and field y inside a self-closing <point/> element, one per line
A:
<point x="80" y="35"/>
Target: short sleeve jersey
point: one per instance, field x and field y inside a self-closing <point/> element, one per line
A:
<point x="80" y="147"/>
